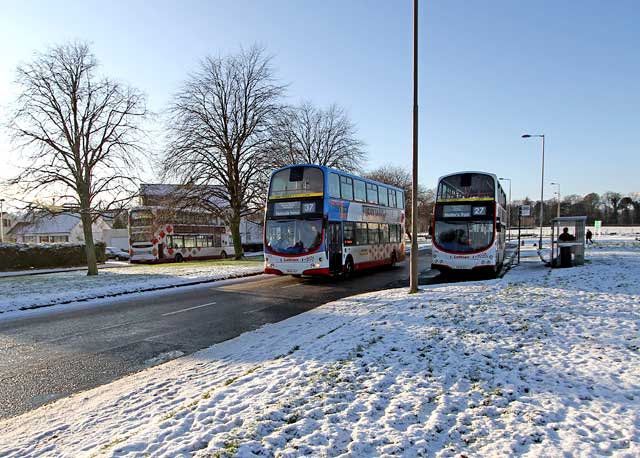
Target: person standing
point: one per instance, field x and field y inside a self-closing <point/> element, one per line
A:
<point x="589" y="236"/>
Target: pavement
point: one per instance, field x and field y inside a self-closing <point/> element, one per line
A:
<point x="60" y="352"/>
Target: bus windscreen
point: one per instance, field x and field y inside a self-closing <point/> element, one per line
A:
<point x="295" y="236"/>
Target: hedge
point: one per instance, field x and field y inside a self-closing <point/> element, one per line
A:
<point x="22" y="256"/>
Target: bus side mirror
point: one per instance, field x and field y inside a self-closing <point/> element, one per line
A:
<point x="498" y="226"/>
<point x="430" y="230"/>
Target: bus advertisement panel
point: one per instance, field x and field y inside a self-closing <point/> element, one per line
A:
<point x="320" y="221"/>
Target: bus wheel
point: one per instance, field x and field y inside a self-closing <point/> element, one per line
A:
<point x="349" y="268"/>
<point x="394" y="259"/>
<point x="223" y="255"/>
<point x="179" y="258"/>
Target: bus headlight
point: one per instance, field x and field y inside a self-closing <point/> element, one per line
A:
<point x="316" y="265"/>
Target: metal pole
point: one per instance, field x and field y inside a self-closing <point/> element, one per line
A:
<point x="519" y="233"/>
<point x="1" y="220"/>
<point x="413" y="281"/>
<point x="558" y="200"/>
<point x="542" y="197"/>
<point x="509" y="211"/>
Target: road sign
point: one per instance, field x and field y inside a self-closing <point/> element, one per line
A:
<point x="525" y="210"/>
<point x="597" y="224"/>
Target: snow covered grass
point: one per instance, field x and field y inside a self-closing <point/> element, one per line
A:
<point x="541" y="363"/>
<point x="47" y="289"/>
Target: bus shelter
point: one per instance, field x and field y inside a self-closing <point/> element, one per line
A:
<point x="568" y="241"/>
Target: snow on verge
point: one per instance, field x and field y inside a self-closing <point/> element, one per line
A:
<point x="64" y="287"/>
<point x="541" y="363"/>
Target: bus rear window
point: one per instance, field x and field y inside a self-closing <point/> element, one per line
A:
<point x="140" y="218"/>
<point x="297" y="182"/>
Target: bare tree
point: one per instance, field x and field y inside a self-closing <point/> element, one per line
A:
<point x="310" y="135"/>
<point x="217" y="129"/>
<point x="79" y="133"/>
<point x="401" y="178"/>
<point x="614" y="199"/>
<point x="635" y="202"/>
<point x="626" y="205"/>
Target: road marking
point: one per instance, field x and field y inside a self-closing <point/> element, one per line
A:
<point x="291" y="286"/>
<point x="187" y="309"/>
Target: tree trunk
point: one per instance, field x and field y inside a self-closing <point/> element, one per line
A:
<point x="235" y="233"/>
<point x="89" y="246"/>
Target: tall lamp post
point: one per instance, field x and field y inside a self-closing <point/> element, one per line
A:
<point x="508" y="209"/>
<point x="413" y="279"/>
<point x="541" y="187"/>
<point x="1" y="220"/>
<point x="558" y="194"/>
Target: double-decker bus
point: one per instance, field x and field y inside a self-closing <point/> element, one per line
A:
<point x="162" y="234"/>
<point x="321" y="221"/>
<point x="469" y="223"/>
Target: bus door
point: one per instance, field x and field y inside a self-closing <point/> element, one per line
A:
<point x="334" y="241"/>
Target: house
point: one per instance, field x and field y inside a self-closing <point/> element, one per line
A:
<point x="8" y="221"/>
<point x="55" y="228"/>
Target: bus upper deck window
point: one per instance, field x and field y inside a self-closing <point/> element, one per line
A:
<point x="346" y="188"/>
<point x="383" y="196"/>
<point x="372" y="193"/>
<point x="465" y="180"/>
<point x="360" y="193"/>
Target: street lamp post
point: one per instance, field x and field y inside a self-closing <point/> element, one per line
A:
<point x="558" y="194"/>
<point x="508" y="209"/>
<point x="541" y="188"/>
<point x="413" y="277"/>
<point x="1" y="220"/>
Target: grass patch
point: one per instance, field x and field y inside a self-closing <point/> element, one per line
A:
<point x="230" y="449"/>
<point x="113" y="443"/>
<point x="229" y="381"/>
<point x="205" y="263"/>
<point x="169" y="415"/>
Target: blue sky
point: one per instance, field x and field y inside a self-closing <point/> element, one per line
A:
<point x="489" y="71"/>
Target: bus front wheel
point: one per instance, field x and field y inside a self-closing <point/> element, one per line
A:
<point x="223" y="255"/>
<point x="179" y="258"/>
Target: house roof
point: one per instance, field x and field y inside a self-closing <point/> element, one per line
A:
<point x="177" y="192"/>
<point x="61" y="223"/>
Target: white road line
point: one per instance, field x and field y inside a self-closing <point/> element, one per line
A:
<point x="187" y="309"/>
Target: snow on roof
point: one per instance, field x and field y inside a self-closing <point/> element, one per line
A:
<point x="61" y="223"/>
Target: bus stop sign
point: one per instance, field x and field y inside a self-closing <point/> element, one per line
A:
<point x="525" y="210"/>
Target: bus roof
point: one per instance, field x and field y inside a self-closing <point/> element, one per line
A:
<point x="339" y="172"/>
<point x="493" y="175"/>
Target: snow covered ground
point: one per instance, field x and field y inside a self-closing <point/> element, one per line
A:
<point x="63" y="287"/>
<point x="542" y="363"/>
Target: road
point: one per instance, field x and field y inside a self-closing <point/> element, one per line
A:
<point x="49" y="356"/>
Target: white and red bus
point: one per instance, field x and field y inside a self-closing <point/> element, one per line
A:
<point x="469" y="223"/>
<point x="321" y="221"/>
<point x="161" y="234"/>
